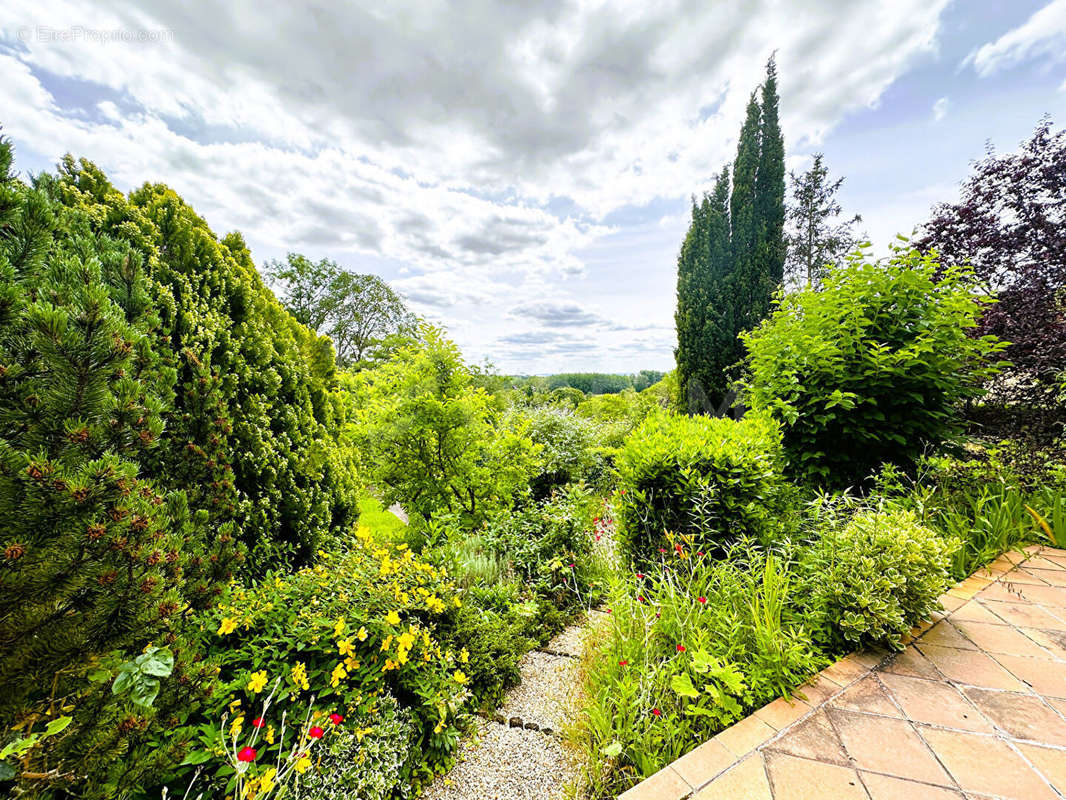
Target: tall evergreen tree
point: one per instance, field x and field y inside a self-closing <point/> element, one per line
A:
<point x="732" y="259"/>
<point x="770" y="188"/>
<point x="815" y="237"/>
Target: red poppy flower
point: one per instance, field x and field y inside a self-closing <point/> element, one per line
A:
<point x="640" y="597"/>
<point x="623" y="663"/>
<point x="640" y="574"/>
<point x="662" y="549"/>
<point x="623" y="491"/>
<point x="699" y="553"/>
<point x="258" y="722"/>
<point x="571" y="566"/>
<point x="681" y="648"/>
<point x="656" y="712"/>
<point x="608" y="611"/>
<point x="336" y="718"/>
<point x="597" y="537"/>
<point x="315" y="732"/>
<point x="701" y="599"/>
<point x="677" y="547"/>
<point x="246" y="754"/>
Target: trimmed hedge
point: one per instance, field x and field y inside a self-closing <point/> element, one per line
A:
<point x="709" y="480"/>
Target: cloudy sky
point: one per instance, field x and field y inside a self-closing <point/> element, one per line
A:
<point x="519" y="170"/>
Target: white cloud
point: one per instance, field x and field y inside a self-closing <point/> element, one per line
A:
<point x="440" y="136"/>
<point x="1043" y="35"/>
<point x="940" y="109"/>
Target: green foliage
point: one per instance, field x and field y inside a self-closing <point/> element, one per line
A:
<point x="251" y="434"/>
<point x="874" y="578"/>
<point x="871" y="369"/>
<point x="360" y="314"/>
<point x="364" y="759"/>
<point x="97" y="558"/>
<point x="711" y="479"/>
<point x="688" y="649"/>
<point x="433" y="441"/>
<point x="567" y="449"/>
<point x="382" y="523"/>
<point x="732" y="258"/>
<point x="371" y="620"/>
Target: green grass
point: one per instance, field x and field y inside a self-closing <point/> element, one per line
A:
<point x="385" y="525"/>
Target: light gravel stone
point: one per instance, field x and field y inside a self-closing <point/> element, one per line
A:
<point x="503" y="763"/>
<point x="570" y="641"/>
<point x="546" y="693"/>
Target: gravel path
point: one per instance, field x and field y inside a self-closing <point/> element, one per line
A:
<point x="501" y="762"/>
<point x="546" y="692"/>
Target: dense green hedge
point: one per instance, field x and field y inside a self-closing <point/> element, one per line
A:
<point x="708" y="479"/>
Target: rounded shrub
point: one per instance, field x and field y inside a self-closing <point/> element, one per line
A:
<point x="708" y="480"/>
<point x="872" y="368"/>
<point x="871" y="580"/>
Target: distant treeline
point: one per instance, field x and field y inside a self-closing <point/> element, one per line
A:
<point x="589" y="382"/>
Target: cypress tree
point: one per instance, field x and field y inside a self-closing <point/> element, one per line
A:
<point x="732" y="259"/>
<point x="770" y="193"/>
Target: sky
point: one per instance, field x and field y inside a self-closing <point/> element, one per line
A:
<point x="520" y="171"/>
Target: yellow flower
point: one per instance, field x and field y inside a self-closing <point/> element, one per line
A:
<point x="345" y="647"/>
<point x="350" y="663"/>
<point x="266" y="783"/>
<point x="385" y="645"/>
<point x="270" y="735"/>
<point x="299" y="676"/>
<point x="459" y="676"/>
<point x="406" y="640"/>
<point x="458" y="602"/>
<point x="435" y="604"/>
<point x="361" y="636"/>
<point x="464" y="656"/>
<point x="236" y="725"/>
<point x="229" y="625"/>
<point x="302" y="764"/>
<point x="392" y="618"/>
<point x="338" y="627"/>
<point x="257" y="682"/>
<point x="338" y="674"/>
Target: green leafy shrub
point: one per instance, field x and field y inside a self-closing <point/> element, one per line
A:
<point x="366" y="758"/>
<point x="435" y="442"/>
<point x="871" y="368"/>
<point x="370" y="620"/>
<point x="568" y="449"/>
<point x="96" y="561"/>
<point x="713" y="480"/>
<point x="873" y="579"/>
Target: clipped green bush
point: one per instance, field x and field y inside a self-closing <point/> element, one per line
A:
<point x="568" y="451"/>
<point x="871" y="369"/>
<point x="871" y="580"/>
<point x="708" y="480"/>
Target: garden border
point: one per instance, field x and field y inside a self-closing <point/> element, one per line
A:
<point x="697" y="768"/>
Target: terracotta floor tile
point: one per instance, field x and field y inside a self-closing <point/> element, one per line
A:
<point x="844" y="672"/>
<point x="818" y="691"/>
<point x="911" y="662"/>
<point x="983" y="764"/>
<point x="882" y="787"/>
<point x="945" y="634"/>
<point x="1022" y="716"/>
<point x="1023" y="575"/>
<point x="1059" y="704"/>
<point x="971" y="667"/>
<point x="869" y="696"/>
<point x="745" y="781"/>
<point x="1003" y="590"/>
<point x="1001" y="639"/>
<point x="975" y="612"/>
<point x="879" y="744"/>
<point x="781" y="712"/>
<point x="951" y="602"/>
<point x="744" y="736"/>
<point x="935" y="703"/>
<point x="813" y="738"/>
<point x="794" y="778"/>
<point x="1025" y="616"/>
<point x="1042" y="562"/>
<point x="1046" y="676"/>
<point x="1052" y="641"/>
<point x="1051" y="596"/>
<point x="663" y="785"/>
<point x="1050" y="763"/>
<point x="698" y="766"/>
